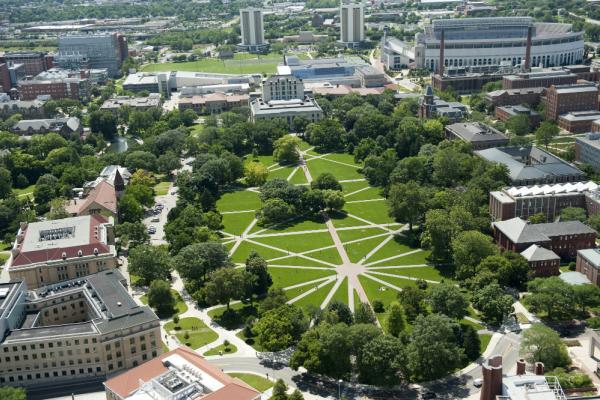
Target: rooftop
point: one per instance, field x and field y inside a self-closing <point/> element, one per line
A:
<point x="554" y="189"/>
<point x="476" y="132"/>
<point x="520" y="231"/>
<point x="539" y="253"/>
<point x="592" y="255"/>
<point x="581" y="116"/>
<point x="531" y="387"/>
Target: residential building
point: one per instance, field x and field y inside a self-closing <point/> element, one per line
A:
<point x="97" y="50"/>
<point x="514" y="97"/>
<point x="58" y="84"/>
<point x="282" y="87"/>
<point x="549" y="200"/>
<point x="479" y="135"/>
<point x="35" y="62"/>
<point x="99" y="199"/>
<point x="531" y="165"/>
<point x="179" y="374"/>
<point x="542" y="262"/>
<point x="65" y="126"/>
<point x="213" y="103"/>
<point x="431" y="106"/>
<point x="494" y="40"/>
<point x="562" y="99"/>
<point x="588" y="263"/>
<point x="59" y="250"/>
<point x="75" y="332"/>
<point x="505" y="113"/>
<point x="352" y="24"/>
<point x="578" y="121"/>
<point x="587" y="149"/>
<point x="564" y="238"/>
<point x="539" y="79"/>
<point x="253" y="30"/>
<point x="136" y="103"/>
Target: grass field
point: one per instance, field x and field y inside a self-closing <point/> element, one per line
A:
<point x="237" y="223"/>
<point x="238" y="200"/>
<point x="285" y="277"/>
<point x="257" y="382"/>
<point x="342" y="293"/>
<point x="221" y="349"/>
<point x="193" y="332"/>
<point x="162" y="188"/>
<point x="3" y="258"/>
<point x="27" y="191"/>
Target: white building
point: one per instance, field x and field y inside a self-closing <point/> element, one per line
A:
<point x="253" y="31"/>
<point x="488" y="41"/>
<point x="352" y="27"/>
<point x="282" y="87"/>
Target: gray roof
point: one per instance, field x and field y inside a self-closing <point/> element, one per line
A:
<point x="518" y="230"/>
<point x="592" y="255"/>
<point x="544" y="165"/>
<point x="538" y="253"/>
<point x="574" y="278"/>
<point x="476" y="132"/>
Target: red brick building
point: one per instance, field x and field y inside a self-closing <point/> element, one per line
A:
<point x="578" y="121"/>
<point x="513" y="97"/>
<point x="588" y="263"/>
<point x="541" y="79"/>
<point x="505" y="113"/>
<point x="5" y="83"/>
<point x="563" y="238"/>
<point x="35" y="62"/>
<point x="562" y="99"/>
<point x="542" y="262"/>
<point x="57" y="84"/>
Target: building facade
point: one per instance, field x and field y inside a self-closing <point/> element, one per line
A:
<point x="100" y="50"/>
<point x="505" y="113"/>
<point x="282" y="87"/>
<point x="479" y="135"/>
<point x="352" y="24"/>
<point x="213" y="103"/>
<point x="587" y="149"/>
<point x="588" y="263"/>
<point x="82" y="330"/>
<point x="578" y="121"/>
<point x="59" y="250"/>
<point x="514" y="97"/>
<point x="562" y="99"/>
<point x="253" y="31"/>
<point x="539" y="79"/>
<point x="35" y="62"/>
<point x="58" y="84"/>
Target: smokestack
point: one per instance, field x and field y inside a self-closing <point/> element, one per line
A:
<point x="491" y="370"/>
<point x="521" y="367"/>
<point x="528" y="49"/>
<point x="442" y="60"/>
<point x="539" y="368"/>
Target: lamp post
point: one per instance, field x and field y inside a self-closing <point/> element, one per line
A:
<point x="340" y="389"/>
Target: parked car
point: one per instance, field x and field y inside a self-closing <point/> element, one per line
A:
<point x="155" y="219"/>
<point x="151" y="230"/>
<point x="477" y="382"/>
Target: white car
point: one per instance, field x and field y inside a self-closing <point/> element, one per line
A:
<point x="477" y="382"/>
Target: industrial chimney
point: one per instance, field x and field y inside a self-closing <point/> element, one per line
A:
<point x="442" y="60"/>
<point x="528" y="49"/>
<point x="492" y="378"/>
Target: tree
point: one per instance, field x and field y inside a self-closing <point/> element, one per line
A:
<point x="447" y="299"/>
<point x="438" y="231"/>
<point x="515" y="273"/>
<point x="493" y="302"/>
<point x="256" y="266"/>
<point x="5" y="183"/>
<point x="395" y="320"/>
<point x="57" y="209"/>
<point x="341" y="311"/>
<point x="333" y="199"/>
<point x="143" y="194"/>
<point x="132" y="234"/>
<point x="408" y="202"/>
<point x="412" y="300"/>
<point x="299" y="124"/>
<point x="225" y="284"/>
<point x="141" y="160"/>
<point x="594" y="222"/>
<point x="296" y="394"/>
<point x="280" y="328"/>
<point x="433" y="352"/>
<point x="469" y="248"/>
<point x="188" y="117"/>
<point x="256" y="173"/>
<point x="286" y="150"/>
<point x="326" y="135"/>
<point x="195" y="261"/>
<point x="519" y="124"/>
<point x="168" y="162"/>
<point x="542" y="344"/>
<point x="546" y="132"/>
<point x="279" y="391"/>
<point x="149" y="263"/>
<point x="382" y="362"/>
<point x="160" y="298"/>
<point x="573" y="214"/>
<point x="274" y="211"/>
<point x="325" y="181"/>
<point x="470" y="342"/>
<point x="130" y="210"/>
<point x="104" y="122"/>
<point x="554" y="297"/>
<point x="363" y="314"/>
<point x="12" y="393"/>
<point x="538" y="218"/>
<point x="275" y="298"/>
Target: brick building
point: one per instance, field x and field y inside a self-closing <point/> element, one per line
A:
<point x="58" y="84"/>
<point x="563" y="238"/>
<point x="542" y="79"/>
<point x="550" y="200"/>
<point x="479" y="135"/>
<point x="578" y="121"/>
<point x="587" y="148"/>
<point x="562" y="99"/>
<point x="35" y="61"/>
<point x="542" y="262"/>
<point x="588" y="263"/>
<point x="213" y="103"/>
<point x="505" y="113"/>
<point x="513" y="97"/>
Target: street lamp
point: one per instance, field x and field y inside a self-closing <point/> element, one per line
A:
<point x="340" y="389"/>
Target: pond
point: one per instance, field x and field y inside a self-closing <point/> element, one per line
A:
<point x="118" y="145"/>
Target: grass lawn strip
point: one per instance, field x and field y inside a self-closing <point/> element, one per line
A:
<point x="298" y="261"/>
<point x="280" y="173"/>
<point x="215" y="351"/>
<point x="237" y="223"/>
<point x="427" y="272"/>
<point x="342" y="158"/>
<point x="328" y="255"/>
<point x="245" y="247"/>
<point x="484" y="340"/>
<point x="308" y="241"/>
<point x="300" y="225"/>
<point x="162" y="188"/>
<point x="386" y="275"/>
<point x="367" y="194"/>
<point x="393" y="282"/>
<point x="286" y="277"/>
<point x="358" y="233"/>
<point x="199" y="334"/>
<point x="298" y="178"/>
<point x="375" y="212"/>
<point x="315" y="298"/>
<point x="342" y="293"/>
<point x="358" y="250"/>
<point x="350" y="187"/>
<point x="343" y="220"/>
<point x="413" y="257"/>
<point x="294" y="293"/>
<point x="376" y="291"/>
<point x="393" y="248"/>
<point x="317" y="166"/>
<point x="257" y="382"/>
<point x="239" y="200"/>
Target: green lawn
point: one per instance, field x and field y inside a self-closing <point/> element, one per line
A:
<point x="296" y="225"/>
<point x="237" y="223"/>
<point x="303" y="262"/>
<point x="298" y="244"/>
<point x="349" y="187"/>
<point x="484" y="340"/>
<point x="427" y="273"/>
<point x="180" y="306"/>
<point x="418" y="258"/>
<point x="357" y="251"/>
<point x="215" y="351"/>
<point x="251" y="341"/>
<point x="25" y="191"/>
<point x="369" y="194"/>
<point x="162" y="188"/>
<point x="398" y="245"/>
<point x="330" y="255"/>
<point x="341" y="172"/>
<point x="3" y="258"/>
<point x="240" y="64"/>
<point x="375" y="211"/>
<point x="298" y="178"/>
<point x="315" y="298"/>
<point x="257" y="382"/>
<point x="245" y="248"/>
<point x="378" y="291"/>
<point x="342" y="293"/>
<point x="285" y="277"/>
<point x="348" y="235"/>
<point x="267" y="161"/>
<point x="341" y="220"/>
<point x="238" y="201"/>
<point x="475" y="325"/>
<point x="199" y="334"/>
<point x="342" y="157"/>
<point x="281" y="172"/>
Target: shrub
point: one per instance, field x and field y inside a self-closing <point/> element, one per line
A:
<point x="593" y="322"/>
<point x="378" y="306"/>
<point x="572" y="266"/>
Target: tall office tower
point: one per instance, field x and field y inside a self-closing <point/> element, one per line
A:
<point x="253" y="30"/>
<point x="352" y="18"/>
<point x="102" y="50"/>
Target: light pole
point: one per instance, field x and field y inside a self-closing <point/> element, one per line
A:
<point x="340" y="389"/>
